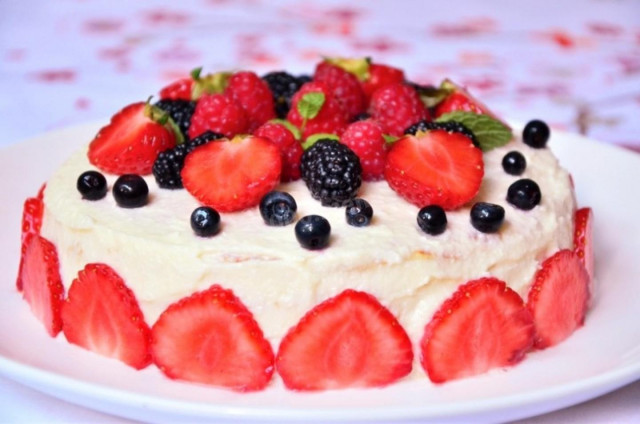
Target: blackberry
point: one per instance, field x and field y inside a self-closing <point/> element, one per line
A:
<point x="170" y="162"/>
<point x="448" y="126"/>
<point x="332" y="172"/>
<point x="180" y="111"/>
<point x="283" y="86"/>
<point x="361" y="117"/>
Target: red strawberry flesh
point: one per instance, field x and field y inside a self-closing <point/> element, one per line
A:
<point x="101" y="314"/>
<point x="583" y="239"/>
<point x="484" y="325"/>
<point x="210" y="337"/>
<point x="350" y="340"/>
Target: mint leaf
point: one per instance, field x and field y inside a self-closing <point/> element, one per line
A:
<point x="310" y="104"/>
<point x="489" y="132"/>
<point x="390" y="139"/>
<point x="311" y="140"/>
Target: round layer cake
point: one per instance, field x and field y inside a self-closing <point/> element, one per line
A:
<point x="475" y="253"/>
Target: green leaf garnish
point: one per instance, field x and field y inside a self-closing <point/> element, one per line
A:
<point x="489" y="132"/>
<point x="313" y="138"/>
<point x="357" y="66"/>
<point x="310" y="104"/>
<point x="390" y="139"/>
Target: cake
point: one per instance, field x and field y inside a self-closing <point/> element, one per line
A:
<point x="424" y="239"/>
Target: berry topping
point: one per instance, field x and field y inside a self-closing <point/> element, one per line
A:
<point x="102" y="315"/>
<point x="583" y="238"/>
<point x="366" y="140"/>
<point x="205" y="221"/>
<point x="361" y="117"/>
<point x="350" y="340"/>
<point x="32" y="216"/>
<point x="359" y="213"/>
<point x="524" y="194"/>
<point x="285" y="136"/>
<point x="484" y="325"/>
<point x="92" y="185"/>
<point x="254" y="96"/>
<point x="130" y="191"/>
<point x="514" y="163"/>
<point x="313" y="232"/>
<point x="314" y="109"/>
<point x="178" y="90"/>
<point x="278" y="208"/>
<point x="435" y="168"/>
<point x="487" y="217"/>
<point x="283" y="86"/>
<point x="380" y="76"/>
<point x="558" y="298"/>
<point x="232" y="175"/>
<point x="459" y="99"/>
<point x="432" y="220"/>
<point x="536" y="134"/>
<point x="211" y="337"/>
<point x="39" y="280"/>
<point x="396" y="107"/>
<point x="218" y="113"/>
<point x="169" y="163"/>
<point x="131" y="141"/>
<point x="344" y="85"/>
<point x="448" y="126"/>
<point x="180" y="111"/>
<point x="332" y="172"/>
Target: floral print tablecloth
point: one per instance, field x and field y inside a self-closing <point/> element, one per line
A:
<point x="574" y="63"/>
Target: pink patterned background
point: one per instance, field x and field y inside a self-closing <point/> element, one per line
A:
<point x="573" y="63"/>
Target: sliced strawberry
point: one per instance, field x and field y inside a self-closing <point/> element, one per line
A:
<point x="435" y="167"/>
<point x="218" y="113"/>
<point x="583" y="239"/>
<point x="484" y="325"/>
<point x="232" y="175"/>
<point x="31" y="224"/>
<point x="350" y="340"/>
<point x="459" y="99"/>
<point x="41" y="191"/>
<point x="281" y="135"/>
<point x="379" y="76"/>
<point x="131" y="141"/>
<point x="178" y="90"/>
<point x="558" y="298"/>
<point x="101" y="314"/>
<point x="254" y="96"/>
<point x="39" y="278"/>
<point x="396" y="107"/>
<point x="210" y="337"/>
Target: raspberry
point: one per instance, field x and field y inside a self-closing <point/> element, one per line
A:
<point x="380" y="76"/>
<point x="330" y="118"/>
<point x="344" y="85"/>
<point x="396" y="107"/>
<point x="366" y="140"/>
<point x="289" y="146"/>
<point x="218" y="113"/>
<point x="253" y="95"/>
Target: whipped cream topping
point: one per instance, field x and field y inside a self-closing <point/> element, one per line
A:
<point x="160" y="258"/>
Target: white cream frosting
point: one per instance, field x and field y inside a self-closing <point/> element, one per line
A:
<point x="156" y="253"/>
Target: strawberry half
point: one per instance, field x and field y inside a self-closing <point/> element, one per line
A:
<point x="131" y="141"/>
<point x="39" y="278"/>
<point x="558" y="298"/>
<point x="484" y="325"/>
<point x="350" y="340"/>
<point x="101" y="314"/>
<point x="31" y="223"/>
<point x="583" y="239"/>
<point x="210" y="337"/>
<point x="435" y="167"/>
<point x="232" y="175"/>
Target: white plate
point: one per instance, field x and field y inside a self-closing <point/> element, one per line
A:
<point x="600" y="357"/>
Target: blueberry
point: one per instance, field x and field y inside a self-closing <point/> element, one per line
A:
<point x="313" y="231"/>
<point x="514" y="163"/>
<point x="205" y="221"/>
<point x="278" y="208"/>
<point x="432" y="220"/>
<point x="536" y="134"/>
<point x="487" y="217"/>
<point x="524" y="194"/>
<point x="92" y="185"/>
<point x="130" y="191"/>
<point x="359" y="213"/>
